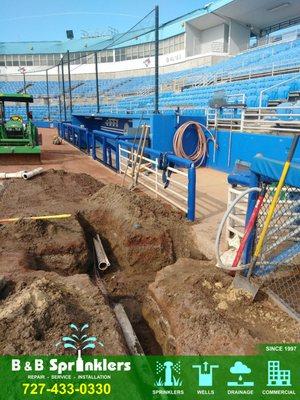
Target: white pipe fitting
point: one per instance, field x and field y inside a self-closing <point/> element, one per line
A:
<point x="21" y="174"/>
<point x="11" y="175"/>
<point x="27" y="175"/>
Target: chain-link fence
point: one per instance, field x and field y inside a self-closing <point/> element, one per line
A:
<point x="278" y="267"/>
<point x="81" y="81"/>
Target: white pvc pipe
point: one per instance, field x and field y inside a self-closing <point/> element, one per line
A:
<point x="27" y="175"/>
<point x="102" y="260"/>
<point x="11" y="175"/>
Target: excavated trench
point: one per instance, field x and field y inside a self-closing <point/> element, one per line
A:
<point x="47" y="267"/>
<point x="177" y="302"/>
<point x="140" y="236"/>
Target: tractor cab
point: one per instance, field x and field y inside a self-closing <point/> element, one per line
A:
<point x="18" y="134"/>
<point x="15" y="126"/>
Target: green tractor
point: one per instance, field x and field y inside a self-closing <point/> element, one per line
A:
<point x="19" y="139"/>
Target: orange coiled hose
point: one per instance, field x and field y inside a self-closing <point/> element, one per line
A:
<point x="200" y="152"/>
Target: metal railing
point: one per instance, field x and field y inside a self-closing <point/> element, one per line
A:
<point x="76" y="135"/>
<point x="170" y="177"/>
<point x="262" y="92"/>
<point x="282" y="119"/>
<point x="241" y="73"/>
<point x="167" y="176"/>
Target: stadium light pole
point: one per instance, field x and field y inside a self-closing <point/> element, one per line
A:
<point x="97" y="82"/>
<point x="156" y="100"/>
<point x="70" y="82"/>
<point x="59" y="98"/>
<point x="63" y="88"/>
<point x="48" y="98"/>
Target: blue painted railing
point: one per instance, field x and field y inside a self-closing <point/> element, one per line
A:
<point x="109" y="145"/>
<point x="76" y="135"/>
<point x="180" y="163"/>
<point x="108" y="142"/>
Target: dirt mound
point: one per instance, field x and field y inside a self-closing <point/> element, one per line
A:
<point x="193" y="309"/>
<point x="135" y="207"/>
<point x="35" y="318"/>
<point x="43" y="245"/>
<point x="140" y="232"/>
<point x="52" y="192"/>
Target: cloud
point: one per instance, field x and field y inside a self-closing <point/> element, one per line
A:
<point x="240" y="368"/>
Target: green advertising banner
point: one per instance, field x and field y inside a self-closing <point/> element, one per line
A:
<point x="274" y="373"/>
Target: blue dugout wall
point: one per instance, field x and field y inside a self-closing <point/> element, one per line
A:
<point x="244" y="146"/>
<point x="229" y="148"/>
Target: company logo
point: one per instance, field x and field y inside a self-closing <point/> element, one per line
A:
<point x="147" y="62"/>
<point x="79" y="341"/>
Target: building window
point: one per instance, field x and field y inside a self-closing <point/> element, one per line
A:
<point x="145" y="50"/>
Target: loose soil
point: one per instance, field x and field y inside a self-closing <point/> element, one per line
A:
<point x="46" y="274"/>
<point x="44" y="245"/>
<point x="52" y="192"/>
<point x="34" y="319"/>
<point x="193" y="309"/>
<point x="140" y="236"/>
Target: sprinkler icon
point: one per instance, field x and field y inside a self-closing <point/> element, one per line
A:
<point x="205" y="374"/>
<point x="169" y="370"/>
<point x="168" y="373"/>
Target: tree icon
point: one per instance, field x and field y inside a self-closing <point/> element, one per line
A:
<point x="79" y="341"/>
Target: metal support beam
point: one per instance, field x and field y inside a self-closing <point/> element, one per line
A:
<point x="97" y="83"/>
<point x="48" y="97"/>
<point x="59" y="99"/>
<point x="70" y="82"/>
<point x="24" y="82"/>
<point x="156" y="100"/>
<point x="63" y="88"/>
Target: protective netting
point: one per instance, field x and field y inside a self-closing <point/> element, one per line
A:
<point x="80" y="95"/>
<point x="278" y="267"/>
<point x="71" y="85"/>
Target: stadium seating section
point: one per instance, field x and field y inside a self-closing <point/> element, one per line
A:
<point x="198" y="85"/>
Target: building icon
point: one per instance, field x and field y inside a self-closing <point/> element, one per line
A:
<point x="277" y="376"/>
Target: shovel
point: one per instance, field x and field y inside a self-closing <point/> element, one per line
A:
<point x="243" y="282"/>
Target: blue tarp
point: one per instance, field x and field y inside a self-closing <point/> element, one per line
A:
<point x="272" y="169"/>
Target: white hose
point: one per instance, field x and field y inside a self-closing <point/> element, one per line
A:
<point x="221" y="226"/>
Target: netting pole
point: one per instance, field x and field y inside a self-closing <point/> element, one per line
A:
<point x="156" y="100"/>
<point x="97" y="83"/>
<point x="59" y="99"/>
<point x="63" y="88"/>
<point x="70" y="82"/>
<point x="24" y="82"/>
<point x="48" y="97"/>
